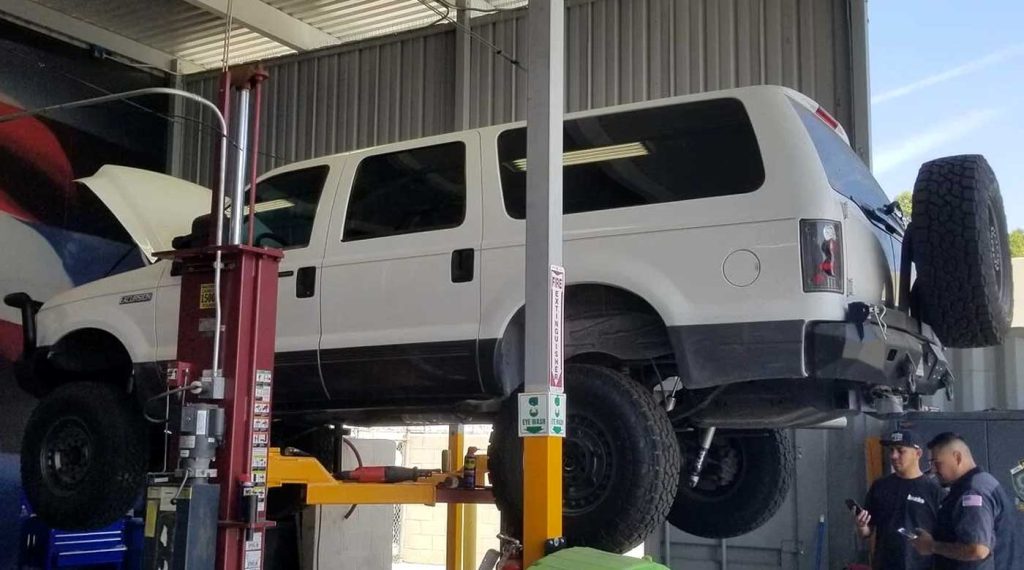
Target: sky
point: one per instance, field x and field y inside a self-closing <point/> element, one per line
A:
<point x="947" y="77"/>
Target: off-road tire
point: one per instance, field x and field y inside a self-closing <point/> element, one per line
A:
<point x="83" y="457"/>
<point x="961" y="250"/>
<point x="612" y="412"/>
<point x="764" y="474"/>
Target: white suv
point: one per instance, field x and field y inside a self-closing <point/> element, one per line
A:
<point x="731" y="264"/>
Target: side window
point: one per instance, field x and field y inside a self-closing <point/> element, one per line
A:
<point x="415" y="190"/>
<point x="847" y="173"/>
<point x="286" y="207"/>
<point x="665" y="154"/>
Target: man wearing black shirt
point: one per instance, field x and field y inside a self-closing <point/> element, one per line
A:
<point x="905" y="499"/>
<point x="977" y="527"/>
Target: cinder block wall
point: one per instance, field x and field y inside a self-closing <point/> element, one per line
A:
<point x="424" y="528"/>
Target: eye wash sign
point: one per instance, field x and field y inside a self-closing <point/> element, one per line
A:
<point x="542" y="415"/>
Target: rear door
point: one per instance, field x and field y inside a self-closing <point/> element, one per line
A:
<point x="401" y="286"/>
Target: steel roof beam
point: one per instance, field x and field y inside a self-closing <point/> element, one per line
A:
<point x="270" y="22"/>
<point x="66" y="27"/>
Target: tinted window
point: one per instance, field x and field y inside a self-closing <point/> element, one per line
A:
<point x="651" y="156"/>
<point x="286" y="207"/>
<point x="415" y="190"/>
<point x="847" y="173"/>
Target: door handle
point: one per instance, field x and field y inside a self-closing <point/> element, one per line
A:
<point x="462" y="265"/>
<point x="305" y="282"/>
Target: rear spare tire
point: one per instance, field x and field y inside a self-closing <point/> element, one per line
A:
<point x="83" y="458"/>
<point x="745" y="480"/>
<point x="961" y="250"/>
<point x="621" y="461"/>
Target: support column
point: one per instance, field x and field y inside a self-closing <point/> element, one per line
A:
<point x="861" y="79"/>
<point x="175" y="134"/>
<point x="453" y="554"/>
<point x="542" y="403"/>
<point x="463" y="69"/>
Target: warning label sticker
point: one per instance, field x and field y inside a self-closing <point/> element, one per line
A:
<point x="542" y="414"/>
<point x="206" y="298"/>
<point x="556" y="380"/>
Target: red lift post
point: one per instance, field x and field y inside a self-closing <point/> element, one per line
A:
<point x="226" y="329"/>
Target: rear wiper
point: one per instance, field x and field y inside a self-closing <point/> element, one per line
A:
<point x="889" y="215"/>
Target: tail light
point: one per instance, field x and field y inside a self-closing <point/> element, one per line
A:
<point x="821" y="253"/>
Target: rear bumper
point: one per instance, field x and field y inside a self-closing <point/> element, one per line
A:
<point x="905" y="355"/>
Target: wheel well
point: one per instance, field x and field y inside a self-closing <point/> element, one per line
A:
<point x="604" y="325"/>
<point x="88" y="355"/>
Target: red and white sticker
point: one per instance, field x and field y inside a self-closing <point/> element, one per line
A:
<point x="557" y="379"/>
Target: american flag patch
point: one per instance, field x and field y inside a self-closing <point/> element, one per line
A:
<point x="971" y="501"/>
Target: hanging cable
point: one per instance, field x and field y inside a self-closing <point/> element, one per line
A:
<point x="446" y="15"/>
<point x="206" y="126"/>
<point x="227" y="35"/>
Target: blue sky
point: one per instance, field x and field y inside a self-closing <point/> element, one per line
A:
<point x="947" y="77"/>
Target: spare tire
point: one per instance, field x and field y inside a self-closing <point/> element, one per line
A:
<point x="745" y="480"/>
<point x="83" y="457"/>
<point x="621" y="461"/>
<point x="960" y="247"/>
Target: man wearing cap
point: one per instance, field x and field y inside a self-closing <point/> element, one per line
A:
<point x="905" y="499"/>
<point x="977" y="527"/>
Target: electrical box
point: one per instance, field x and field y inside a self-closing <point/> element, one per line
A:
<point x="180" y="530"/>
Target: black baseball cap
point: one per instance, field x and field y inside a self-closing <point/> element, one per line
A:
<point x="903" y="438"/>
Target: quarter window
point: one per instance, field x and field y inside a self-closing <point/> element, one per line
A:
<point x="649" y="156"/>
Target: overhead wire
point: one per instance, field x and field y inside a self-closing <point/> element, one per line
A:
<point x="446" y="15"/>
<point x="174" y="118"/>
<point x="471" y="9"/>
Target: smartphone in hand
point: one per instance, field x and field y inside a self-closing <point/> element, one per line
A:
<point x="853" y="506"/>
<point x="909" y="534"/>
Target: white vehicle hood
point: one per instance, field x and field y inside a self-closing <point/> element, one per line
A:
<point x="154" y="208"/>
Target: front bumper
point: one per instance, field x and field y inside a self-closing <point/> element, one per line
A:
<point x="903" y="354"/>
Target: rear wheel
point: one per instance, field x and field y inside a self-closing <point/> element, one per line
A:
<point x="745" y="480"/>
<point x="83" y="457"/>
<point x="620" y="461"/>
<point x="961" y="250"/>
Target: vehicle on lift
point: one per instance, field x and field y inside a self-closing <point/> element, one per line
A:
<point x="732" y="265"/>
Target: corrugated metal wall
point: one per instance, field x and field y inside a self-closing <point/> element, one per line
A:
<point x="991" y="378"/>
<point x="829" y="469"/>
<point x="618" y="51"/>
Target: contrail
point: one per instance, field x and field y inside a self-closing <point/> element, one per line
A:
<point x="970" y="67"/>
<point x="921" y="143"/>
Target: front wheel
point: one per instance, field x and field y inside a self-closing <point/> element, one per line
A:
<point x="83" y="457"/>
<point x="620" y="461"/>
<point x="745" y="480"/>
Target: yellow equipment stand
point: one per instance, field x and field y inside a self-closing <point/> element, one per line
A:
<point x="323" y="489"/>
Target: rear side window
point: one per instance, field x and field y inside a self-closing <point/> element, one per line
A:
<point x="409" y="191"/>
<point x="649" y="156"/>
<point x="847" y="173"/>
<point x="286" y="207"/>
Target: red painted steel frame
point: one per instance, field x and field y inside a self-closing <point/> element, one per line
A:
<point x="249" y="307"/>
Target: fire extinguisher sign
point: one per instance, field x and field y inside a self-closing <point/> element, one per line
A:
<point x="556" y="380"/>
